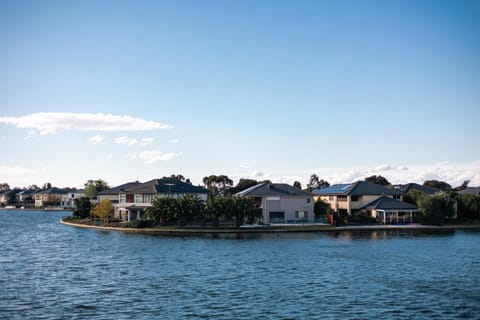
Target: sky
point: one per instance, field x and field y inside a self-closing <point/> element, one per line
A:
<point x="278" y="90"/>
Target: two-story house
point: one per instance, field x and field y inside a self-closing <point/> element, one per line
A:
<point x="134" y="199"/>
<point x="281" y="203"/>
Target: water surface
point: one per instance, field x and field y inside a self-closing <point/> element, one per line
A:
<point x="52" y="271"/>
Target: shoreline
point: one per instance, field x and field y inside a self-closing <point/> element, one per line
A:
<point x="266" y="230"/>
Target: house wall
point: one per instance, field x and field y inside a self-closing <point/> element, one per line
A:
<point x="348" y="205"/>
<point x="112" y="197"/>
<point x="288" y="205"/>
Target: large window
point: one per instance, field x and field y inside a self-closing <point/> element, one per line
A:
<point x="277" y="217"/>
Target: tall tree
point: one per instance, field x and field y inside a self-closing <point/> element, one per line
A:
<point x="47" y="185"/>
<point x="297" y="185"/>
<point x="4" y="186"/>
<point x="313" y="183"/>
<point x="33" y="187"/>
<point x="243" y="184"/>
<point x="82" y="208"/>
<point x="92" y="187"/>
<point x="378" y="180"/>
<point x="178" y="177"/>
<point x="463" y="186"/>
<point x="441" y="185"/>
<point x="217" y="184"/>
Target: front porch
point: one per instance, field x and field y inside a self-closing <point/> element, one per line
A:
<point x="397" y="216"/>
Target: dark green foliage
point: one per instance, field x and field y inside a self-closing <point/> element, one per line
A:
<point x="82" y="208"/>
<point x="217" y="184"/>
<point x="434" y="209"/>
<point x="163" y="211"/>
<point x="322" y="208"/>
<point x="92" y="187"/>
<point x="242" y="185"/>
<point x="297" y="185"/>
<point x="316" y="183"/>
<point x="441" y="185"/>
<point x="468" y="206"/>
<point x="378" y="180"/>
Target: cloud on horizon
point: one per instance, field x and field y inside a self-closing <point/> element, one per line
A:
<point x="96" y="140"/>
<point x="56" y="122"/>
<point x="153" y="156"/>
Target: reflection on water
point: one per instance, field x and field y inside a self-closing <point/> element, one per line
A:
<point x="51" y="271"/>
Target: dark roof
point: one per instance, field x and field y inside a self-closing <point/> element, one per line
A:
<point x="118" y="189"/>
<point x="471" y="190"/>
<point x="273" y="189"/>
<point x="415" y="186"/>
<point x="386" y="203"/>
<point x="166" y="185"/>
<point x="356" y="189"/>
<point x="53" y="190"/>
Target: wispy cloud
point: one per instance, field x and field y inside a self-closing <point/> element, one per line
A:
<point x="153" y="156"/>
<point x="96" y="140"/>
<point x="55" y="122"/>
<point x="16" y="171"/>
<point x="174" y="141"/>
<point x="126" y="140"/>
<point x="146" y="142"/>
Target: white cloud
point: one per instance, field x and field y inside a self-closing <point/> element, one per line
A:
<point x="257" y="174"/>
<point x="109" y="156"/>
<point x="55" y="122"/>
<point x="174" y="141"/>
<point x="244" y="166"/>
<point x="146" y="142"/>
<point x="152" y="156"/>
<point x="126" y="140"/>
<point x="95" y="140"/>
<point x="16" y="171"/>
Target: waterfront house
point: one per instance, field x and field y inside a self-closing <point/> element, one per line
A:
<point x="133" y="201"/>
<point x="281" y="203"/>
<point x="346" y="199"/>
<point x="9" y="197"/>
<point x="112" y="193"/>
<point x="49" y="198"/>
<point x="26" y="198"/>
<point x="388" y="210"/>
<point x="69" y="197"/>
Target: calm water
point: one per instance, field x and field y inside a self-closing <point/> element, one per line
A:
<point x="51" y="271"/>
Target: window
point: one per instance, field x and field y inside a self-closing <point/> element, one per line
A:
<point x="342" y="198"/>
<point x="308" y="200"/>
<point x="123" y="198"/>
<point x="301" y="214"/>
<point x="331" y="198"/>
<point x="396" y="197"/>
<point x="277" y="217"/>
<point x="356" y="198"/>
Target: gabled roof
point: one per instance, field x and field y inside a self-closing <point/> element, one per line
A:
<point x="53" y="190"/>
<point x="386" y="203"/>
<point x="116" y="190"/>
<point x="166" y="186"/>
<point x="415" y="186"/>
<point x="273" y="189"/>
<point x="358" y="188"/>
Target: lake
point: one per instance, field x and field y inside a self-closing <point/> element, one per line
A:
<point x="52" y="271"/>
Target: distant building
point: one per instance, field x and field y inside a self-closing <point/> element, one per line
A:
<point x="281" y="203"/>
<point x="112" y="193"/>
<point x="388" y="210"/>
<point x="471" y="190"/>
<point x="404" y="188"/>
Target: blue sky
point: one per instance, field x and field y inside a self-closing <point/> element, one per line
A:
<point x="263" y="89"/>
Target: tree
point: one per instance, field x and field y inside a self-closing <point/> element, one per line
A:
<point x="468" y="206"/>
<point x="242" y="185"/>
<point x="82" y="208"/>
<point x="162" y="211"/>
<point x="4" y="186"/>
<point x="241" y="209"/>
<point x="47" y="185"/>
<point x="321" y="208"/>
<point x="217" y="184"/>
<point x="297" y="185"/>
<point x="313" y="183"/>
<point x="178" y="177"/>
<point x="378" y="180"/>
<point x="441" y="185"/>
<point x="463" y="186"/>
<point x="92" y="187"/>
<point x="215" y="208"/>
<point x="103" y="210"/>
<point x="189" y="208"/>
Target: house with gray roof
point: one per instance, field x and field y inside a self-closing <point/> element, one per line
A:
<point x="388" y="210"/>
<point x="349" y="198"/>
<point x="471" y="190"/>
<point x="281" y="203"/>
<point x="49" y="198"/>
<point x="415" y="186"/>
<point x="135" y="198"/>
<point x="112" y="194"/>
